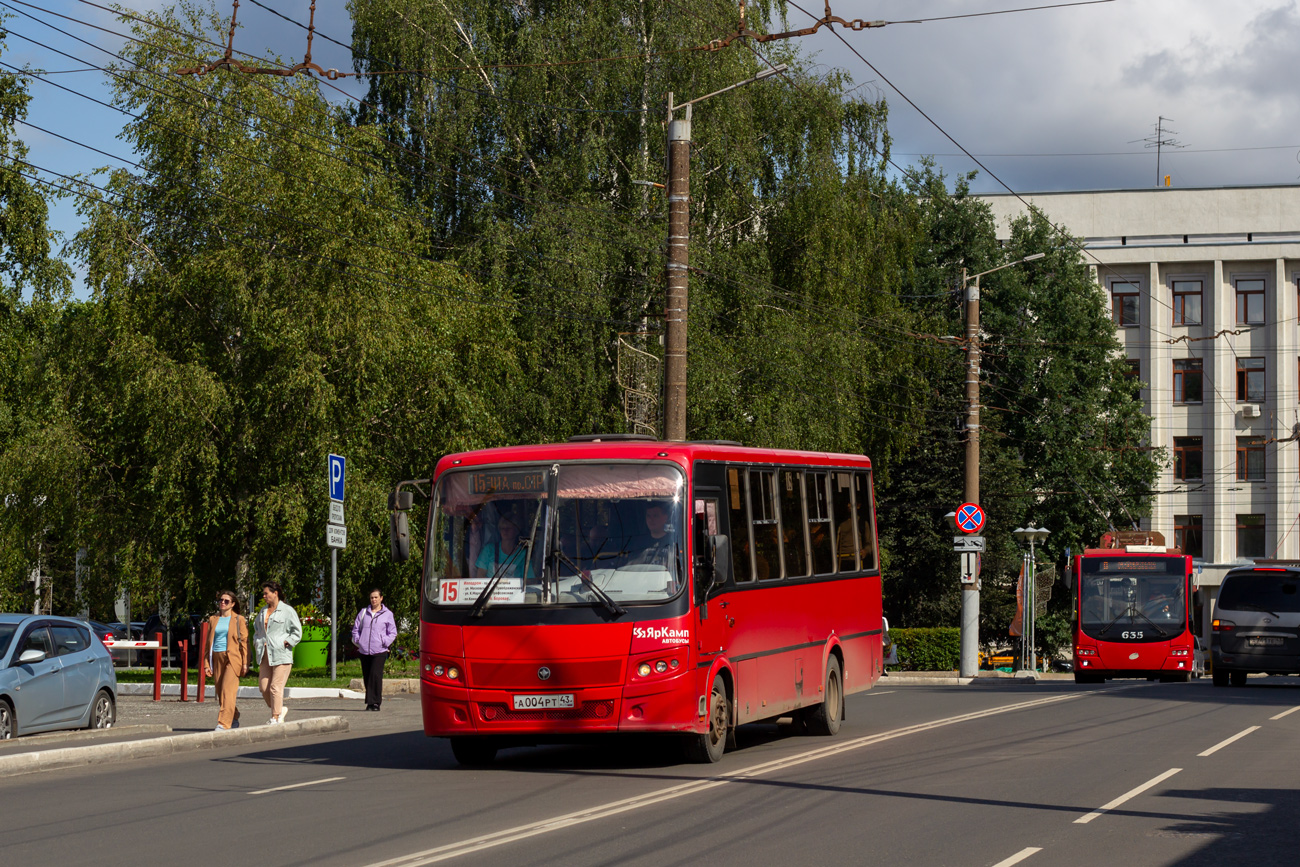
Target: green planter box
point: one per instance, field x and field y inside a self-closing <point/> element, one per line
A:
<point x="314" y="649"/>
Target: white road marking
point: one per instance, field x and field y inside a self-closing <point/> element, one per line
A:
<point x="872" y="692"/>
<point x="297" y="785"/>
<point x="1286" y="712"/>
<point x="1019" y="856"/>
<point x="1221" y="744"/>
<point x="1132" y="793"/>
<point x="613" y="808"/>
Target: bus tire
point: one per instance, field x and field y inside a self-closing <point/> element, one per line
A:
<point x="707" y="748"/>
<point x="1084" y="677"/>
<point x="1237" y="678"/>
<point x="824" y="719"/>
<point x="1220" y="677"/>
<point x="473" y="752"/>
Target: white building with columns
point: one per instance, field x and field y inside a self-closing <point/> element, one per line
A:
<point x="1204" y="285"/>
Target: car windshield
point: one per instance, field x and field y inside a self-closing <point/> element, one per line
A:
<point x="560" y="534"/>
<point x="1260" y="591"/>
<point x="7" y="631"/>
<point x="1115" y="604"/>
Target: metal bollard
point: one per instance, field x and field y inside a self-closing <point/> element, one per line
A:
<point x="203" y="642"/>
<point x="185" y="669"/>
<point x="157" y="668"/>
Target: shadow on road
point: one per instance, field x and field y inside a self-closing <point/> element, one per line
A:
<point x="1262" y="833"/>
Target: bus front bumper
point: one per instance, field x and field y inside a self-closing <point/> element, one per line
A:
<point x="666" y="707"/>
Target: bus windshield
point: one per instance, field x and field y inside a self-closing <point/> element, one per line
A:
<point x="1133" y="600"/>
<point x="557" y="534"/>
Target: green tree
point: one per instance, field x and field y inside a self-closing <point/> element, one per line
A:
<point x="263" y="295"/>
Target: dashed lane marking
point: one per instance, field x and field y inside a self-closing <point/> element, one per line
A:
<point x="1221" y="744"/>
<point x="1286" y="713"/>
<point x="1129" y="795"/>
<point x="297" y="785"/>
<point x="1019" y="856"/>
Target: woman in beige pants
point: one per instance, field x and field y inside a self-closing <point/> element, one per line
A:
<point x="276" y="630"/>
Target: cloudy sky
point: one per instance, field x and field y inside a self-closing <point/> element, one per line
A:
<point x="1054" y="99"/>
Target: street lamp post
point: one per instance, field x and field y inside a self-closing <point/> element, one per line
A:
<point x="970" y="597"/>
<point x="1032" y="535"/>
<point x="679" y="234"/>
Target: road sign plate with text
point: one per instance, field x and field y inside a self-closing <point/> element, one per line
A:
<point x="336" y="535"/>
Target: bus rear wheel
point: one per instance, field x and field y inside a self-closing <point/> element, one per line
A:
<point x="707" y="748"/>
<point x="824" y="719"/>
<point x="473" y="752"/>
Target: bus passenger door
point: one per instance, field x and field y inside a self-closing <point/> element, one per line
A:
<point x="713" y="623"/>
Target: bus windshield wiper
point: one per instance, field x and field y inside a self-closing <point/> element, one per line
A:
<point x="614" y="607"/>
<point x="1127" y="612"/>
<point x="1140" y="613"/>
<point x="526" y="545"/>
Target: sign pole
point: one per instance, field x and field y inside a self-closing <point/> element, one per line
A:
<point x="334" y="612"/>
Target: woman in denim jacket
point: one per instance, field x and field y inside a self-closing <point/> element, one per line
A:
<point x="276" y="630"/>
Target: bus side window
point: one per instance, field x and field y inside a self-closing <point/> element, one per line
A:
<point x="742" y="564"/>
<point x="762" y="510"/>
<point x="793" y="524"/>
<point x="819" y="523"/>
<point x="846" y="537"/>
<point x="865" y="519"/>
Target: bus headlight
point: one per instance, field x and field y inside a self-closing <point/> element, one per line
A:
<point x="643" y="670"/>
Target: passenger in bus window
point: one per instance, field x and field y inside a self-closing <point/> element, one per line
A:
<point x="657" y="545"/>
<point x="847" y="546"/>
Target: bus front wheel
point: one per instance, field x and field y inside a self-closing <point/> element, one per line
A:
<point x="473" y="752"/>
<point x="824" y="719"/>
<point x="708" y="748"/>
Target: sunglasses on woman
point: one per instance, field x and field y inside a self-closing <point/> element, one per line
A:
<point x="225" y="602"/>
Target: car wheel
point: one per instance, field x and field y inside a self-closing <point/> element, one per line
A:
<point x="1220" y="676"/>
<point x="1237" y="678"/>
<point x="103" y="713"/>
<point x="8" y="727"/>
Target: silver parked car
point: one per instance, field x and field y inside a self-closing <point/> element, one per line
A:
<point x="54" y="674"/>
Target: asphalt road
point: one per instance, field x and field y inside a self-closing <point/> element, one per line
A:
<point x="1130" y="773"/>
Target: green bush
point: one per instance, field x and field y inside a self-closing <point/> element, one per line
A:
<point x="932" y="649"/>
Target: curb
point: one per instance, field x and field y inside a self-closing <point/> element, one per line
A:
<point x="87" y="735"/>
<point x="392" y="686"/>
<point x="103" y="754"/>
<point x="244" y="691"/>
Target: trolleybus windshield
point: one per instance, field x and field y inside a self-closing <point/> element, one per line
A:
<point x="1139" y="599"/>
<point x="557" y="534"/>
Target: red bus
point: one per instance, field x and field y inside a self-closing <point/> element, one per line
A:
<point x="624" y="584"/>
<point x="1132" y="610"/>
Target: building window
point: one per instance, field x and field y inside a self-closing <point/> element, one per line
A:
<point x="1250" y="379"/>
<point x="1250" y="302"/>
<point x="1250" y="459"/>
<point x="1187" y="380"/>
<point x="1133" y="376"/>
<point x="1250" y="536"/>
<point x="1187" y="458"/>
<point x="1124" y="304"/>
<point x="1187" y="302"/>
<point x="1188" y="535"/>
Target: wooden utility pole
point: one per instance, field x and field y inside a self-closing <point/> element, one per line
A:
<point x="675" y="305"/>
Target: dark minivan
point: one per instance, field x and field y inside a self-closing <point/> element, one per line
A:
<point x="1256" y="624"/>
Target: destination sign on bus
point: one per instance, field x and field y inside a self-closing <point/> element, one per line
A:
<point x="1162" y="565"/>
<point x="509" y="591"/>
<point x="507" y="482"/>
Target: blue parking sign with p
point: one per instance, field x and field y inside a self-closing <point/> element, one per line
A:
<point x="337" y="467"/>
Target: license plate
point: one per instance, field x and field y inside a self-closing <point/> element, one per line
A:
<point x="1264" y="641"/>
<point x="543" y="702"/>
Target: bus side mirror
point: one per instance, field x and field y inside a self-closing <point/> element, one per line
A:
<point x="399" y="537"/>
<point x="399" y="530"/>
<point x="719" y="560"/>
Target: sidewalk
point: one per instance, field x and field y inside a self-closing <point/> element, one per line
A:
<point x="147" y="729"/>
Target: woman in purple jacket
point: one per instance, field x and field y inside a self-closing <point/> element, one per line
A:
<point x="373" y="632"/>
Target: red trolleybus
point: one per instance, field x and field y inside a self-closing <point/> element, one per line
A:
<point x="1132" y="607"/>
<point x="623" y="584"/>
